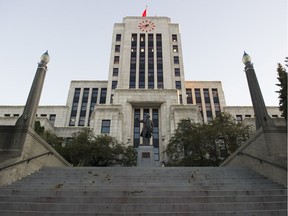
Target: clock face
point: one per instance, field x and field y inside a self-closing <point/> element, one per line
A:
<point x="146" y="26"/>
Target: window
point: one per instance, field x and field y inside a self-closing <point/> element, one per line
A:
<point x="43" y="115"/>
<point x="174" y="37"/>
<point x="116" y="59"/>
<point x="175" y="48"/>
<point x="178" y="84"/>
<point x="93" y="102"/>
<point x="115" y="71"/>
<point x="177" y="71"/>
<point x="117" y="48"/>
<point x="52" y="118"/>
<point x="189" y="96"/>
<point x="247" y="116"/>
<point x="176" y="60"/>
<point x="103" y="96"/>
<point x="274" y="116"/>
<point x="105" y="127"/>
<point x="114" y="84"/>
<point x="118" y="37"/>
<point x="7" y="115"/>
<point x="206" y="95"/>
<point x="238" y="118"/>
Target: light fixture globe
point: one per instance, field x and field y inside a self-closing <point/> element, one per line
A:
<point x="246" y="59"/>
<point x="45" y="58"/>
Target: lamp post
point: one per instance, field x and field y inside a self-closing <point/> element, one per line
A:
<point x="261" y="114"/>
<point x="27" y="119"/>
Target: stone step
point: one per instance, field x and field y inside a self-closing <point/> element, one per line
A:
<point x="143" y="191"/>
<point x="155" y="207"/>
<point x="195" y="213"/>
<point x="139" y="192"/>
<point x="141" y="199"/>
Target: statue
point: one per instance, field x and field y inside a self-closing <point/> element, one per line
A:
<point x="147" y="130"/>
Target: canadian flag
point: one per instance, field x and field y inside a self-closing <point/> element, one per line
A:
<point x="144" y="12"/>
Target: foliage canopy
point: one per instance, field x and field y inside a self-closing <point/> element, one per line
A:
<point x="86" y="149"/>
<point x="282" y="78"/>
<point x="195" y="144"/>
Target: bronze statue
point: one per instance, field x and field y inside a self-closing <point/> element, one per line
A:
<point x="147" y="130"/>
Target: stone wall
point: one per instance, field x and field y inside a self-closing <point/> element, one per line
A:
<point x="36" y="154"/>
<point x="265" y="153"/>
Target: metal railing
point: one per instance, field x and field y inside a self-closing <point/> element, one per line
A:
<point x="26" y="160"/>
<point x="262" y="160"/>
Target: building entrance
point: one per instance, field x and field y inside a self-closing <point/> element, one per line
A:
<point x="139" y="113"/>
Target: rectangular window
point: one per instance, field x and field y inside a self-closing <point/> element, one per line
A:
<point x="118" y="37"/>
<point x="178" y="84"/>
<point x="206" y="95"/>
<point x="116" y="59"/>
<point x="83" y="107"/>
<point x="174" y="37"/>
<point x="7" y="115"/>
<point x="103" y="95"/>
<point x="175" y="48"/>
<point x="239" y="118"/>
<point x="136" y="140"/>
<point x="189" y="96"/>
<point x="93" y="102"/>
<point x="115" y="72"/>
<point x="114" y="84"/>
<point x="105" y="127"/>
<point x="52" y="118"/>
<point x="177" y="72"/>
<point x="215" y="95"/>
<point x="176" y="60"/>
<point x="117" y="48"/>
<point x="74" y="107"/>
<point x="160" y="78"/>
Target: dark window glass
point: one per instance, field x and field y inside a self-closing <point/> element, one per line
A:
<point x="74" y="107"/>
<point x="189" y="96"/>
<point x="176" y="60"/>
<point x="175" y="48"/>
<point x="118" y="37"/>
<point x="177" y="71"/>
<point x="114" y="84"/>
<point x="103" y="96"/>
<point x="178" y="84"/>
<point x="115" y="71"/>
<point x="52" y="118"/>
<point x="105" y="127"/>
<point x="117" y="48"/>
<point x="174" y="37"/>
<point x="116" y="59"/>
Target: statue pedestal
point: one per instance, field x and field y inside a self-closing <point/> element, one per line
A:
<point x="145" y="156"/>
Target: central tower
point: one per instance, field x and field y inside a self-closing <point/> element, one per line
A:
<point x="146" y="76"/>
<point x="146" y="54"/>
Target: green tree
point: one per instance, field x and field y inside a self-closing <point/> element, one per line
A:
<point x="282" y="78"/>
<point x="194" y="144"/>
<point x="86" y="149"/>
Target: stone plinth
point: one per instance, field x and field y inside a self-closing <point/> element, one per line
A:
<point x="145" y="156"/>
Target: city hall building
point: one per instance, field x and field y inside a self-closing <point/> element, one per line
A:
<point x="146" y="76"/>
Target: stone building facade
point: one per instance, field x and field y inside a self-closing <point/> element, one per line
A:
<point x="146" y="76"/>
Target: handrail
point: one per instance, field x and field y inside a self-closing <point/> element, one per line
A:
<point x="26" y="160"/>
<point x="262" y="160"/>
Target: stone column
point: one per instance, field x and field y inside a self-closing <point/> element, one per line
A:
<point x="27" y="119"/>
<point x="260" y="110"/>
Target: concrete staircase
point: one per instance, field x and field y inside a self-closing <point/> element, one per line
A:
<point x="91" y="191"/>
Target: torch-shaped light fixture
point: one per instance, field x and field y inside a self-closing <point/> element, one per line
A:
<point x="261" y="114"/>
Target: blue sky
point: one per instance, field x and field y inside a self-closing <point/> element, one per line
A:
<point x="78" y="36"/>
